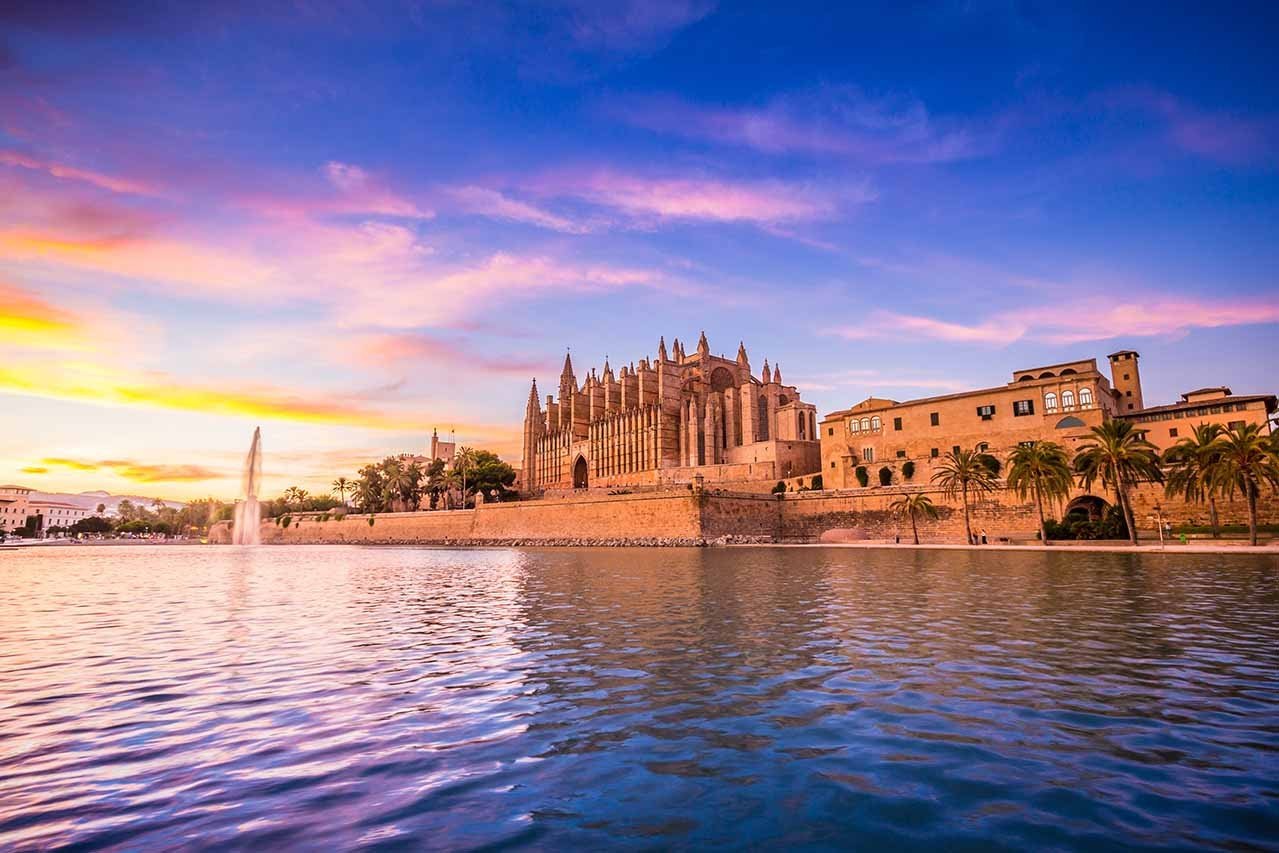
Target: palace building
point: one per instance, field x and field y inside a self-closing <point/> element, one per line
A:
<point x="666" y="421"/>
<point x="1058" y="402"/>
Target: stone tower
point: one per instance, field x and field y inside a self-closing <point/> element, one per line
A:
<point x="1125" y="378"/>
<point x="533" y="426"/>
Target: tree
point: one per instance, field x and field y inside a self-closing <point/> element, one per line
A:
<point x="960" y="472"/>
<point x="489" y="474"/>
<point x="342" y="485"/>
<point x="914" y="505"/>
<point x="102" y="508"/>
<point x="295" y="496"/>
<point x="1248" y="461"/>
<point x="368" y="489"/>
<point x="126" y="510"/>
<point x="463" y="461"/>
<point x="435" y="479"/>
<point x="1041" y="469"/>
<point x="1195" y="470"/>
<point x="1119" y="456"/>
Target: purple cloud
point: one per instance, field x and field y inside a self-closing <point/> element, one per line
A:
<point x="832" y="120"/>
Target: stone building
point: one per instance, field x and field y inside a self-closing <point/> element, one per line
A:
<point x="1058" y="402"/>
<point x="666" y="421"/>
<point x="15" y="505"/>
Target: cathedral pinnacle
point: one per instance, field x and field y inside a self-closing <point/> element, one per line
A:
<point x="568" y="366"/>
<point x="661" y="349"/>
<point x="768" y="374"/>
<point x="777" y="374"/>
<point x="741" y="353"/>
<point x="703" y="348"/>
<point x="533" y="402"/>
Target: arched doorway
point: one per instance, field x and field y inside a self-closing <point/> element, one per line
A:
<point x="1089" y="507"/>
<point x="580" y="473"/>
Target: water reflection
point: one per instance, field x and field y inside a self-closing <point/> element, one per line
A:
<point x="156" y="697"/>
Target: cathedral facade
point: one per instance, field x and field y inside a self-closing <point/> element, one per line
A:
<point x="667" y="421"/>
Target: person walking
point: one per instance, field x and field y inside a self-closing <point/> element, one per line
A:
<point x="983" y="536"/>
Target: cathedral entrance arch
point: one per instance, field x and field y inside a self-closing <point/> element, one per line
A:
<point x="580" y="475"/>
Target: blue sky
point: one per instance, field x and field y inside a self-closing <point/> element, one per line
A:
<point x="352" y="222"/>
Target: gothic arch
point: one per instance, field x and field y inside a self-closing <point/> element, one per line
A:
<point x="581" y="473"/>
<point x="722" y="379"/>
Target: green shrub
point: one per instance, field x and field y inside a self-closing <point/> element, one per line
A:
<point x="370" y="521"/>
<point x="991" y="462"/>
<point x="816" y="484"/>
<point x="885" y="476"/>
<point x="908" y="469"/>
<point x="779" y="488"/>
<point x="862" y="477"/>
<point x="1110" y="526"/>
<point x="286" y="521"/>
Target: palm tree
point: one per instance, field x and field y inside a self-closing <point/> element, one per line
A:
<point x="342" y="485"/>
<point x="1042" y="469"/>
<point x="1248" y="460"/>
<point x="1194" y="469"/>
<point x="1118" y="455"/>
<point x="463" y="461"/>
<point x="913" y="505"/>
<point x="411" y="487"/>
<point x="961" y="471"/>
<point x="394" y="481"/>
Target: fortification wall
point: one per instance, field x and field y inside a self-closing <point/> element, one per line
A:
<point x="681" y="516"/>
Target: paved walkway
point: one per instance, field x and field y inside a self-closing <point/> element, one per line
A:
<point x="1145" y="547"/>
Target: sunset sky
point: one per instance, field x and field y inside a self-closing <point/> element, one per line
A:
<point x="351" y="222"/>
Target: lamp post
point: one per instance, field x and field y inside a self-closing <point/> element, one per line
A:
<point x="1159" y="522"/>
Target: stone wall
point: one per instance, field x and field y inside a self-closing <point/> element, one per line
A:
<point x="682" y="516"/>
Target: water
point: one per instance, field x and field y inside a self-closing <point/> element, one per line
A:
<point x="246" y="524"/>
<point x="156" y="697"/>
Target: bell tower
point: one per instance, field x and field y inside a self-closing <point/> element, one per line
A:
<point x="1125" y="378"/>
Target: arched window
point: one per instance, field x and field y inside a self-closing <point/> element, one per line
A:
<point x="865" y="424"/>
<point x="812" y="425"/>
<point x="803" y="426"/>
<point x="763" y="418"/>
<point x="875" y="423"/>
<point x="1050" y="402"/>
<point x="1067" y="399"/>
<point x="1085" y="398"/>
<point x="854" y="425"/>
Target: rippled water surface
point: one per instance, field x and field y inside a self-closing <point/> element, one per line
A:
<point x="157" y="697"/>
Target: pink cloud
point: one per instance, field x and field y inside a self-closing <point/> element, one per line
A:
<point x="15" y="159"/>
<point x="646" y="199"/>
<point x="494" y="204"/>
<point x="433" y="351"/>
<point x="347" y="189"/>
<point x="841" y="121"/>
<point x="1075" y="322"/>
<point x="1220" y="136"/>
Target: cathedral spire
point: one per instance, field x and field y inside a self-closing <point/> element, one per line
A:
<point x="534" y="404"/>
<point x="703" y="348"/>
<point x="777" y="374"/>
<point x="661" y="349"/>
<point x="768" y="374"/>
<point x="567" y="372"/>
<point x="741" y="354"/>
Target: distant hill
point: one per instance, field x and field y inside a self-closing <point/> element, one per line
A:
<point x="90" y="500"/>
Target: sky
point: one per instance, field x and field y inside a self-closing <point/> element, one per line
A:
<point x="353" y="222"/>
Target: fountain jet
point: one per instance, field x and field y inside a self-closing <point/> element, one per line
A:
<point x="248" y="513"/>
